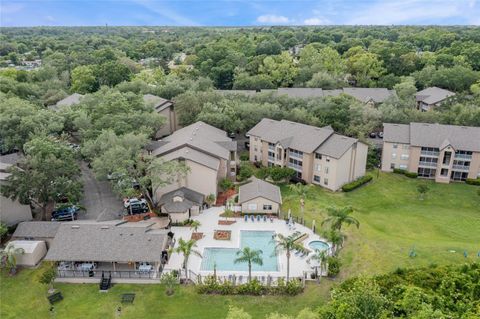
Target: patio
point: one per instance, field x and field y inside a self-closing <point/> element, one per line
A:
<point x="299" y="266"/>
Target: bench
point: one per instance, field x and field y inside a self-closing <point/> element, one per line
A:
<point x="128" y="298"/>
<point x="56" y="297"/>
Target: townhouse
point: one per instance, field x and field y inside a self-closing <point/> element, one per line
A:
<point x="318" y="155"/>
<point x="441" y="152"/>
<point x="165" y="108"/>
<point x="208" y="152"/>
<point x="431" y="97"/>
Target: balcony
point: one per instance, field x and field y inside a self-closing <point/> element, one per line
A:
<point x="271" y="158"/>
<point x="428" y="164"/>
<point x="271" y="147"/>
<point x="463" y="157"/>
<point x="430" y="153"/>
<point x="461" y="168"/>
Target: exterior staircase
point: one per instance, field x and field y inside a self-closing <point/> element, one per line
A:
<point x="105" y="282"/>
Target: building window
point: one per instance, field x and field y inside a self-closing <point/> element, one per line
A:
<point x="255" y="148"/>
<point x="402" y="166"/>
<point x="318" y="156"/>
<point x="326" y="170"/>
<point x="394" y="155"/>
<point x="325" y="181"/>
<point x="444" y="172"/>
<point x="395" y="145"/>
<point x="426" y="172"/>
<point x="296" y="153"/>
<point x="327" y="159"/>
<point x="267" y="207"/>
<point x="316" y="178"/>
<point x="392" y="166"/>
<point x="404" y="156"/>
<point x="405" y="146"/>
<point x="252" y="206"/>
<point x="318" y="168"/>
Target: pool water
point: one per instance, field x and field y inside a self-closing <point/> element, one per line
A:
<point x="318" y="245"/>
<point x="224" y="257"/>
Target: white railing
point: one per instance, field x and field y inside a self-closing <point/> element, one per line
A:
<point x="461" y="167"/>
<point x="463" y="156"/>
<point x="429" y="164"/>
<point x="430" y="153"/>
<point x="295" y="166"/>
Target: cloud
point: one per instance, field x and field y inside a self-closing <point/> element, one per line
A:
<point x="11" y="7"/>
<point x="273" y="19"/>
<point x="315" y="21"/>
<point x="411" y="11"/>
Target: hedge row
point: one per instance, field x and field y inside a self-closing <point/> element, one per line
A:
<point x="405" y="172"/>
<point x="356" y="183"/>
<point x="473" y="181"/>
<point x="212" y="286"/>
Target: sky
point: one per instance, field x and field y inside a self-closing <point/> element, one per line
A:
<point x="238" y="12"/>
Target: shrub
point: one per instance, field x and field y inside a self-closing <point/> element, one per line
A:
<point x="356" y="183"/>
<point x="244" y="156"/>
<point x="473" y="181"/>
<point x="280" y="173"/>
<point x="262" y="173"/>
<point x="411" y="174"/>
<point x="225" y="184"/>
<point x="333" y="266"/>
<point x="246" y="171"/>
<point x="293" y="287"/>
<point x="254" y="287"/>
<point x="399" y="171"/>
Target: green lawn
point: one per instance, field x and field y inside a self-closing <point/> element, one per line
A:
<point x="393" y="219"/>
<point x="23" y="297"/>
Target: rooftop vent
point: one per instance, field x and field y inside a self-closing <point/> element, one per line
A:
<point x="104" y="227"/>
<point x="75" y="227"/>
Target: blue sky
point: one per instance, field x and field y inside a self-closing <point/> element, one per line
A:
<point x="237" y="13"/>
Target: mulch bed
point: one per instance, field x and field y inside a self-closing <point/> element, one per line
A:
<point x="226" y="222"/>
<point x="222" y="235"/>
<point x="222" y="197"/>
<point x="197" y="236"/>
<point x="139" y="217"/>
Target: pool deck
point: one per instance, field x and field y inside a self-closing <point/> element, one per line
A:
<point x="209" y="223"/>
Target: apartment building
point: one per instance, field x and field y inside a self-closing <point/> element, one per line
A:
<point x="431" y="98"/>
<point x="165" y="108"/>
<point x="441" y="152"/>
<point x="209" y="153"/>
<point x="318" y="155"/>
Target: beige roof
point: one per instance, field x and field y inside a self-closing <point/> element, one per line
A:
<point x="396" y="133"/>
<point x="433" y="95"/>
<point x="365" y="95"/>
<point x="194" y="156"/>
<point x="70" y="100"/>
<point x="200" y="136"/>
<point x="465" y="138"/>
<point x="3" y="171"/>
<point x="336" y="145"/>
<point x="36" y="229"/>
<point x="259" y="188"/>
<point x="302" y="137"/>
<point x="107" y="242"/>
<point x="158" y="103"/>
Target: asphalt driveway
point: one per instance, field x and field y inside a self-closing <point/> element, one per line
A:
<point x="98" y="196"/>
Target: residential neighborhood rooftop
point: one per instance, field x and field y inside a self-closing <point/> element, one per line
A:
<point x="37" y="229"/>
<point x="70" y="100"/>
<point x="188" y="198"/>
<point x="433" y="95"/>
<point x="465" y="138"/>
<point x="107" y="242"/>
<point x="259" y="188"/>
<point x="158" y="103"/>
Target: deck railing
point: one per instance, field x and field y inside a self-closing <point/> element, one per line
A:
<point x="96" y="273"/>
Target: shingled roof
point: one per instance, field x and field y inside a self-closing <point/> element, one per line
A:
<point x="107" y="242"/>
<point x="259" y="188"/>
<point x="465" y="138"/>
<point x="36" y="229"/>
<point x="199" y="136"/>
<point x="189" y="198"/>
<point x="433" y="95"/>
<point x="158" y="103"/>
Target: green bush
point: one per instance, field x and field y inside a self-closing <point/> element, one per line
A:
<point x="245" y="171"/>
<point x="244" y="156"/>
<point x="399" y="171"/>
<point x="225" y="184"/>
<point x="473" y="181"/>
<point x="211" y="286"/>
<point x="333" y="266"/>
<point x="411" y="174"/>
<point x="356" y="183"/>
<point x="280" y="173"/>
<point x="254" y="287"/>
<point x="262" y="173"/>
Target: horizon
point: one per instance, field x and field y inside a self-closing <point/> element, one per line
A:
<point x="239" y="13"/>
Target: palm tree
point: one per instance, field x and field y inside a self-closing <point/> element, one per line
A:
<point x="195" y="224"/>
<point x="210" y="199"/>
<point x="336" y="237"/>
<point x="288" y="244"/>
<point x="303" y="191"/>
<point x="337" y="216"/>
<point x="8" y="257"/>
<point x="170" y="281"/>
<point x="186" y="248"/>
<point x="250" y="256"/>
<point x="320" y="257"/>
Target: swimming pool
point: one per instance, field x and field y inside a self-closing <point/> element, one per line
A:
<point x="224" y="257"/>
<point x="318" y="245"/>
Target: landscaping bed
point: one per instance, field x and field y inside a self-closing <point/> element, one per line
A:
<point x="226" y="222"/>
<point x="197" y="236"/>
<point x="222" y="235"/>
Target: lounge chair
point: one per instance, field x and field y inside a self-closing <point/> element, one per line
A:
<point x="271" y="219"/>
<point x="252" y="218"/>
<point x="240" y="279"/>
<point x="246" y="218"/>
<point x="264" y="218"/>
<point x="258" y="218"/>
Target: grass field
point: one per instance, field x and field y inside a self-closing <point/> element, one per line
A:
<point x="23" y="297"/>
<point x="393" y="219"/>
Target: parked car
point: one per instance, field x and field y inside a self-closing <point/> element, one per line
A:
<point x="373" y="135"/>
<point x="380" y="134"/>
<point x="65" y="213"/>
<point x="232" y="134"/>
<point x="135" y="206"/>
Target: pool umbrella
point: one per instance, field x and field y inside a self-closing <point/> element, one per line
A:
<point x="215" y="271"/>
<point x="289" y="214"/>
<point x="313" y="225"/>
